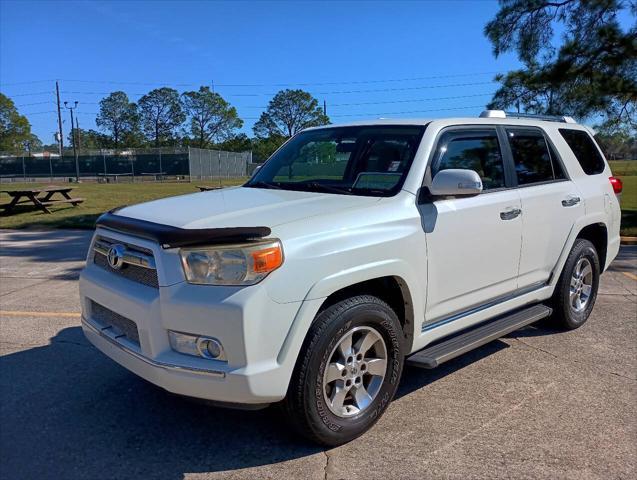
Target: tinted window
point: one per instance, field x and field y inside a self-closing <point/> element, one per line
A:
<point x="585" y="150"/>
<point x="472" y="150"/>
<point x="531" y="156"/>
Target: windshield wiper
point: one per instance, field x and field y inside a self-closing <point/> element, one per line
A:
<point x="263" y="185"/>
<point x="321" y="187"/>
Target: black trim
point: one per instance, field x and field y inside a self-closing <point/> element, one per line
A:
<point x="170" y="237"/>
<point x="510" y="175"/>
<point x="434" y="159"/>
<point x="550" y="148"/>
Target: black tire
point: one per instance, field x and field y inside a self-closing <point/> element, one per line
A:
<point x="305" y="405"/>
<point x="565" y="315"/>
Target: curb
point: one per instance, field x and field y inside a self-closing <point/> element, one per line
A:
<point x="628" y="240"/>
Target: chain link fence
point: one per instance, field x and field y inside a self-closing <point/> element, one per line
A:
<point x="211" y="164"/>
<point x="128" y="165"/>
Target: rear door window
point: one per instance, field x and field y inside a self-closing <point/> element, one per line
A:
<point x="532" y="157"/>
<point x="585" y="150"/>
<point x="477" y="150"/>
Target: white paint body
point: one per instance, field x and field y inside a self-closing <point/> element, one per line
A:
<point x="452" y="254"/>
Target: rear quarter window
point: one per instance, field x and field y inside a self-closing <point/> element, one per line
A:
<point x="585" y="150"/>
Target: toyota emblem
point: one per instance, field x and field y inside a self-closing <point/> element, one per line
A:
<point x="115" y="256"/>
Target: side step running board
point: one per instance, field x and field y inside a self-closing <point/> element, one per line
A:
<point x="455" y="346"/>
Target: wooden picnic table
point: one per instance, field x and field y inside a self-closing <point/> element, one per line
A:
<point x="157" y="175"/>
<point x="115" y="176"/>
<point x="41" y="197"/>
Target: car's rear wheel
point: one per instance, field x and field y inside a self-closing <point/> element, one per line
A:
<point x="576" y="290"/>
<point x="347" y="372"/>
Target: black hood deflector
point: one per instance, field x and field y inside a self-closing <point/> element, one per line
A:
<point x="170" y="237"/>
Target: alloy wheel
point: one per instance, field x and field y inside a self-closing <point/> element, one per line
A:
<point x="355" y="372"/>
<point x="581" y="284"/>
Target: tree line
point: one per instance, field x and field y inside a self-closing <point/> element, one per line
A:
<point x="164" y="117"/>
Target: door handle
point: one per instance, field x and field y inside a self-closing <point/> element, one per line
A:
<point x="510" y="214"/>
<point x="570" y="201"/>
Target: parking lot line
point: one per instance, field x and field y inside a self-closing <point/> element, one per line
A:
<point x="630" y="275"/>
<point x="19" y="313"/>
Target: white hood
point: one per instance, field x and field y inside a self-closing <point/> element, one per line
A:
<point x="242" y="207"/>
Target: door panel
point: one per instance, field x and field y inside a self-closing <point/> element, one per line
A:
<point x="546" y="225"/>
<point x="473" y="243"/>
<point x="473" y="254"/>
<point x="550" y="202"/>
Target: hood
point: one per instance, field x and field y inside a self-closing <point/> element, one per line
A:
<point x="242" y="207"/>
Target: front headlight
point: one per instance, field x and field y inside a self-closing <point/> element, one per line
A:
<point x="244" y="264"/>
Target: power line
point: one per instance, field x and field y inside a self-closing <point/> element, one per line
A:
<point x="32" y="94"/>
<point x="40" y="113"/>
<point x="36" y="103"/>
<point x="365" y="114"/>
<point x="376" y="114"/>
<point x="385" y="102"/>
<point x="293" y="84"/>
<point x="455" y="97"/>
<point x="337" y="92"/>
<point x="374" y="90"/>
<point x="25" y="83"/>
<point x="354" y="82"/>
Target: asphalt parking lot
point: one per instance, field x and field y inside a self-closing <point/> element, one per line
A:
<point x="536" y="404"/>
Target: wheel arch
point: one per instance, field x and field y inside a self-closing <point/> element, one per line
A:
<point x="391" y="289"/>
<point x="593" y="229"/>
<point x="597" y="234"/>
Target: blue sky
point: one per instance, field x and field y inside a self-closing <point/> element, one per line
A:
<point x="354" y="55"/>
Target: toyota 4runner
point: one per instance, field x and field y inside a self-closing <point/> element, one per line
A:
<point x="355" y="249"/>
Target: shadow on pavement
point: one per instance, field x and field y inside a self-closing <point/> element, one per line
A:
<point x="55" y="247"/>
<point x="69" y="412"/>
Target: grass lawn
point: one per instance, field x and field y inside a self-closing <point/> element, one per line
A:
<point x="98" y="198"/>
<point x="624" y="168"/>
<point x="627" y="171"/>
<point x="629" y="206"/>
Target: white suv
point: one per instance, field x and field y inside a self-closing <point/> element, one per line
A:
<point x="353" y="250"/>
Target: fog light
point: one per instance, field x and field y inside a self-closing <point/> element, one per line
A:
<point x="206" y="347"/>
<point x="209" y="347"/>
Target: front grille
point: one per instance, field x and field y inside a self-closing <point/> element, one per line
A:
<point x="120" y="325"/>
<point x="136" y="273"/>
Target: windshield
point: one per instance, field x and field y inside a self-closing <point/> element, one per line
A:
<point x="365" y="160"/>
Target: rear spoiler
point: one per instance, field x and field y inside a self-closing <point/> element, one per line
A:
<point x="170" y="237"/>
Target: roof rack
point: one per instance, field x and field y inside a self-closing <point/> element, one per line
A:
<point x="548" y="118"/>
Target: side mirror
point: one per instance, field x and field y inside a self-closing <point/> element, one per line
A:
<point x="455" y="183"/>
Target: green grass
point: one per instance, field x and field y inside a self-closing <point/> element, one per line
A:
<point x="624" y="168"/>
<point x="627" y="171"/>
<point x="98" y="198"/>
<point x="629" y="206"/>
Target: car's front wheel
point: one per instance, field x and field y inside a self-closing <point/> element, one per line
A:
<point x="347" y="372"/>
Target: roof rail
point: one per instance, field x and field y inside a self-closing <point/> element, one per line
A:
<point x="548" y="118"/>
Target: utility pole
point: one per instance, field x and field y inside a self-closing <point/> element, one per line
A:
<point x="324" y="108"/>
<point x="77" y="162"/>
<point x="61" y="142"/>
<point x="79" y="134"/>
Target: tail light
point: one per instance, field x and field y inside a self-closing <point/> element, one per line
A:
<point x="617" y="185"/>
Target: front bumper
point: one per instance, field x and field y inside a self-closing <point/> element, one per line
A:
<point x="180" y="378"/>
<point x="253" y="328"/>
